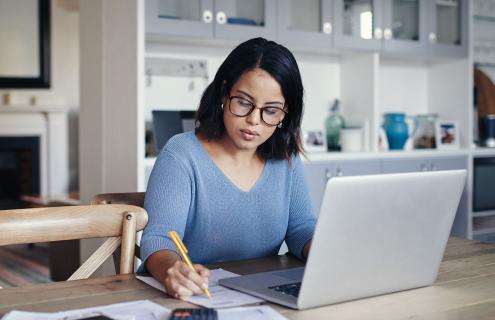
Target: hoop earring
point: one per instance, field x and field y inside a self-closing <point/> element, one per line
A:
<point x="279" y="125"/>
<point x="221" y="106"/>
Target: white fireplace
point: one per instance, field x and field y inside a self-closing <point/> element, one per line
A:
<point x="50" y="125"/>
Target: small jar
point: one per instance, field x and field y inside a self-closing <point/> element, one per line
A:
<point x="425" y="128"/>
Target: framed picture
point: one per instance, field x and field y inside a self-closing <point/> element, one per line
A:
<point x="447" y="134"/>
<point x="314" y="141"/>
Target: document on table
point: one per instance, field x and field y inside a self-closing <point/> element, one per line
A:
<point x="221" y="297"/>
<point x="262" y="312"/>
<point x="134" y="310"/>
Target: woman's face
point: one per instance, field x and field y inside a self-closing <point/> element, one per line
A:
<point x="254" y="87"/>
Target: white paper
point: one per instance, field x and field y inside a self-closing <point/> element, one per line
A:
<point x="262" y="312"/>
<point x="134" y="310"/>
<point x="24" y="315"/>
<point x="221" y="297"/>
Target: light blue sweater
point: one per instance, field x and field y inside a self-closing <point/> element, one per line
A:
<point x="188" y="193"/>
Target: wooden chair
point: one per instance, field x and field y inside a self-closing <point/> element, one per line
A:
<point x="127" y="198"/>
<point x="117" y="222"/>
<point x="130" y="198"/>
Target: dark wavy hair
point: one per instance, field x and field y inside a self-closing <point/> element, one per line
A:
<point x="279" y="62"/>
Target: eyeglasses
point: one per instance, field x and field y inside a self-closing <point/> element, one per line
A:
<point x="271" y="116"/>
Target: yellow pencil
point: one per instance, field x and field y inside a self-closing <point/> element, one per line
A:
<point x="183" y="253"/>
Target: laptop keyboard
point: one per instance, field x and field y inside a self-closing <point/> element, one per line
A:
<point x="291" y="289"/>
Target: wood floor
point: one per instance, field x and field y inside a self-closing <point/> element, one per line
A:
<point x="24" y="264"/>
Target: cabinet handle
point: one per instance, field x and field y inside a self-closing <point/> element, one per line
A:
<point x="328" y="174"/>
<point x="387" y="34"/>
<point x="327" y="28"/>
<point x="423" y="167"/>
<point x="433" y="167"/>
<point x="221" y="17"/>
<point x="432" y="37"/>
<point x="339" y="173"/>
<point x="378" y="33"/>
<point x="207" y="16"/>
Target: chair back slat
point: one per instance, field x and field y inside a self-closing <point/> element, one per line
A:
<point x="96" y="259"/>
<point x="127" y="198"/>
<point x="116" y="222"/>
<point x="65" y="223"/>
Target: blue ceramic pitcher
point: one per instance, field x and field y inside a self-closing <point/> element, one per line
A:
<point x="395" y="127"/>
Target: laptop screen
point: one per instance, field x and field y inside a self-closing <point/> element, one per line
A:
<point x="169" y="123"/>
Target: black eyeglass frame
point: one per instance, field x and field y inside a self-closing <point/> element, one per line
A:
<point x="253" y="107"/>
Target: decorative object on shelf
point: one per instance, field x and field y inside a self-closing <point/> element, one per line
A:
<point x="447" y="134"/>
<point x="488" y="129"/>
<point x="351" y="139"/>
<point x="424" y="131"/>
<point x="397" y="130"/>
<point x="314" y="141"/>
<point x="333" y="123"/>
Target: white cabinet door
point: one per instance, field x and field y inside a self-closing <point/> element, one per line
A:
<point x="181" y="18"/>
<point x="404" y="165"/>
<point x="318" y="173"/>
<point x="305" y="23"/>
<point x="462" y="224"/>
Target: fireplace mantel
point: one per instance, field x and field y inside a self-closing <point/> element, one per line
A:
<point x="49" y="123"/>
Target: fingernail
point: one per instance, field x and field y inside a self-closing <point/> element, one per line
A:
<point x="204" y="286"/>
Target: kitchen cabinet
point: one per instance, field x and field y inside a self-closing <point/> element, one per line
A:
<point x="305" y="23"/>
<point x="461" y="222"/>
<point x="358" y="24"/>
<point x="415" y="27"/>
<point x="318" y="173"/>
<point x="225" y="19"/>
<point x="448" y="22"/>
<point x="181" y="18"/>
<point x="419" y="27"/>
<point x="405" y="26"/>
<point x="423" y="164"/>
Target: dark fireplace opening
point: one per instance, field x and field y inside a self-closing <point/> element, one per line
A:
<point x="19" y="170"/>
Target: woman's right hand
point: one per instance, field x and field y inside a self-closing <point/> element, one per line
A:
<point x="181" y="282"/>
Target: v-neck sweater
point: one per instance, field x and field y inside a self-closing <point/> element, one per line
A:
<point x="187" y="192"/>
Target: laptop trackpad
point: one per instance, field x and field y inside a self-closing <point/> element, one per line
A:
<point x="295" y="274"/>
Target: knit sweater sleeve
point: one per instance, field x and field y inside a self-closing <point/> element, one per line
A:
<point x="302" y="219"/>
<point x="167" y="201"/>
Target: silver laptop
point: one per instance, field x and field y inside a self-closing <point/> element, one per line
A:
<point x="375" y="235"/>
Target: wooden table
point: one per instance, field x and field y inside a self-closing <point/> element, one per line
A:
<point x="465" y="289"/>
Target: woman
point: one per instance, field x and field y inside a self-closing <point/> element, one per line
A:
<point x="234" y="188"/>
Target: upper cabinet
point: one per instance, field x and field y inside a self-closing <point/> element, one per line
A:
<point x="405" y="25"/>
<point x="448" y="27"/>
<point x="182" y="18"/>
<point x="414" y="27"/>
<point x="358" y="24"/>
<point x="305" y="23"/>
<point x="226" y="19"/>
<point x="419" y="27"/>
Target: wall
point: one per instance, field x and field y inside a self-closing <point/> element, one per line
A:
<point x="64" y="74"/>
